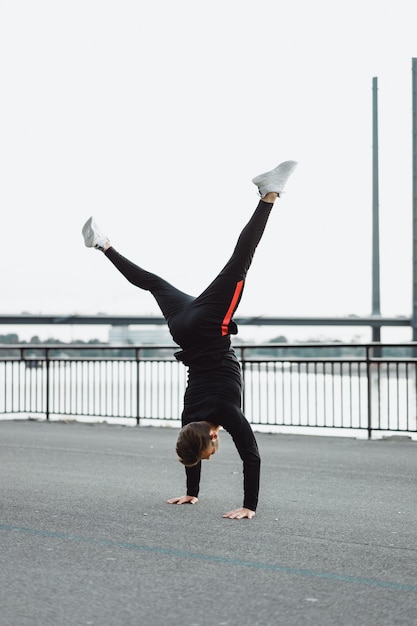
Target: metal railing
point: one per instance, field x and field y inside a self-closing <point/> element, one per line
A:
<point x="363" y="387"/>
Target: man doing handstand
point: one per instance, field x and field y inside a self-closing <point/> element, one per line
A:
<point x="202" y="327"/>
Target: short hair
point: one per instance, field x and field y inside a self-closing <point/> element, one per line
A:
<point x="193" y="439"/>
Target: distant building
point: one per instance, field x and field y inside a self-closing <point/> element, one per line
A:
<point x="152" y="335"/>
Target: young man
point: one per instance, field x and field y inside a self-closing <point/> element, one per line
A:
<point x="202" y="327"/>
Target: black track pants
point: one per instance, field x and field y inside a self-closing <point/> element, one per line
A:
<point x="194" y="321"/>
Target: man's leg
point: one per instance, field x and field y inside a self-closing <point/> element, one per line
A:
<point x="249" y="238"/>
<point x="171" y="300"/>
<point x="221" y="298"/>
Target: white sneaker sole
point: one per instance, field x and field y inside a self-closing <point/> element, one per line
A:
<point x="92" y="236"/>
<point x="276" y="179"/>
<point x="88" y="233"/>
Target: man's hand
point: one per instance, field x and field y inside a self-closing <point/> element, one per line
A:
<point x="183" y="500"/>
<point x="240" y="513"/>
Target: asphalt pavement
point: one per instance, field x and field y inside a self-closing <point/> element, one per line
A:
<point x="86" y="535"/>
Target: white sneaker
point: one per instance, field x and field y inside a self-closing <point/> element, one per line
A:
<point x="93" y="237"/>
<point x="276" y="179"/>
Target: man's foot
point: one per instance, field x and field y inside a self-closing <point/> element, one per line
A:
<point x="275" y="180"/>
<point x="93" y="237"/>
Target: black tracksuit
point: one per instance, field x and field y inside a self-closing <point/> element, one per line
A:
<point x="202" y="327"/>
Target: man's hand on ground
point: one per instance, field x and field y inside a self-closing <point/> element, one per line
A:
<point x="240" y="513"/>
<point x="183" y="500"/>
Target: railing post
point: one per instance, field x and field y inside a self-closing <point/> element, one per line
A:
<point x="243" y="366"/>
<point x="369" y="381"/>
<point x="22" y="359"/>
<point x="47" y="407"/>
<point x="137" y="355"/>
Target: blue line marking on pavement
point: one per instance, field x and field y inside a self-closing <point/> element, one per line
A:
<point x="212" y="558"/>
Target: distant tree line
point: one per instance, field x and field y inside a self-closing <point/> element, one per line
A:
<point x="337" y="351"/>
<point x="33" y="348"/>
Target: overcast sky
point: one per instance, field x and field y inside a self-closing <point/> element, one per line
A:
<point x="155" y="116"/>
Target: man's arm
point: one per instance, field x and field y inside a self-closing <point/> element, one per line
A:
<point x="193" y="475"/>
<point x="239" y="428"/>
<point x="193" y="486"/>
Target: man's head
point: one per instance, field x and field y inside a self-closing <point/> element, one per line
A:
<point x="196" y="441"/>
